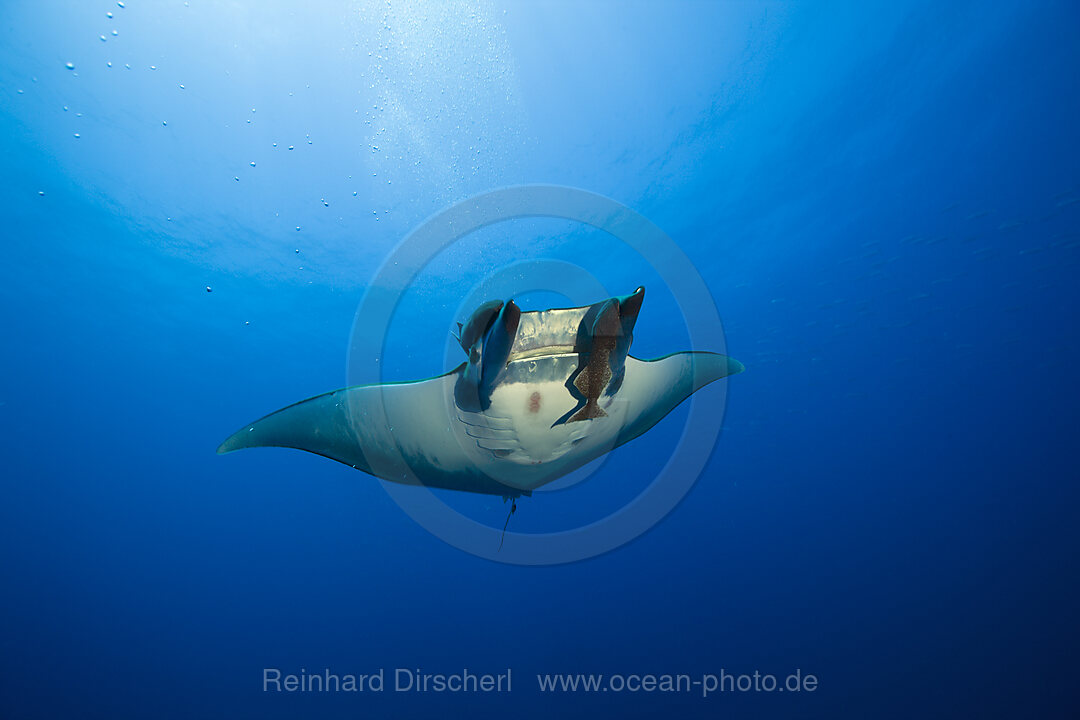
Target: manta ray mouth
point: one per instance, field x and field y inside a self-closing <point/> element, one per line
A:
<point x="542" y="352"/>
<point x="540" y="368"/>
<point x="562" y="331"/>
<point x="567" y="332"/>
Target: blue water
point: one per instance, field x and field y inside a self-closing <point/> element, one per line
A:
<point x="882" y="198"/>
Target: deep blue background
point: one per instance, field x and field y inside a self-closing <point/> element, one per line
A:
<point x="884" y="199"/>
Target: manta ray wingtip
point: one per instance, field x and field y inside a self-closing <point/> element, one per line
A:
<point x="235" y="441"/>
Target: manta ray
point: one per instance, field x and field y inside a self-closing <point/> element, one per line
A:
<point x="540" y="394"/>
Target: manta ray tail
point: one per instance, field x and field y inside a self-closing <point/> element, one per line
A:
<point x="513" y="509"/>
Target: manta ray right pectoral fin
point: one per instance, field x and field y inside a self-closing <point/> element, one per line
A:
<point x="657" y="386"/>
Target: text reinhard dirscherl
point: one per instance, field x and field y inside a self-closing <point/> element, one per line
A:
<point x="415" y="680"/>
<point x="402" y="680"/>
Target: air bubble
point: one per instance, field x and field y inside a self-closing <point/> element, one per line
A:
<point x="252" y="163"/>
<point x="70" y="65"/>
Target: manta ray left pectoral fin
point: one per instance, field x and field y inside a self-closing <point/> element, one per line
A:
<point x="368" y="427"/>
<point x="320" y="425"/>
<point x="402" y="432"/>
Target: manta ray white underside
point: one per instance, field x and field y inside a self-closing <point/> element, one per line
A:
<point x="541" y="394"/>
